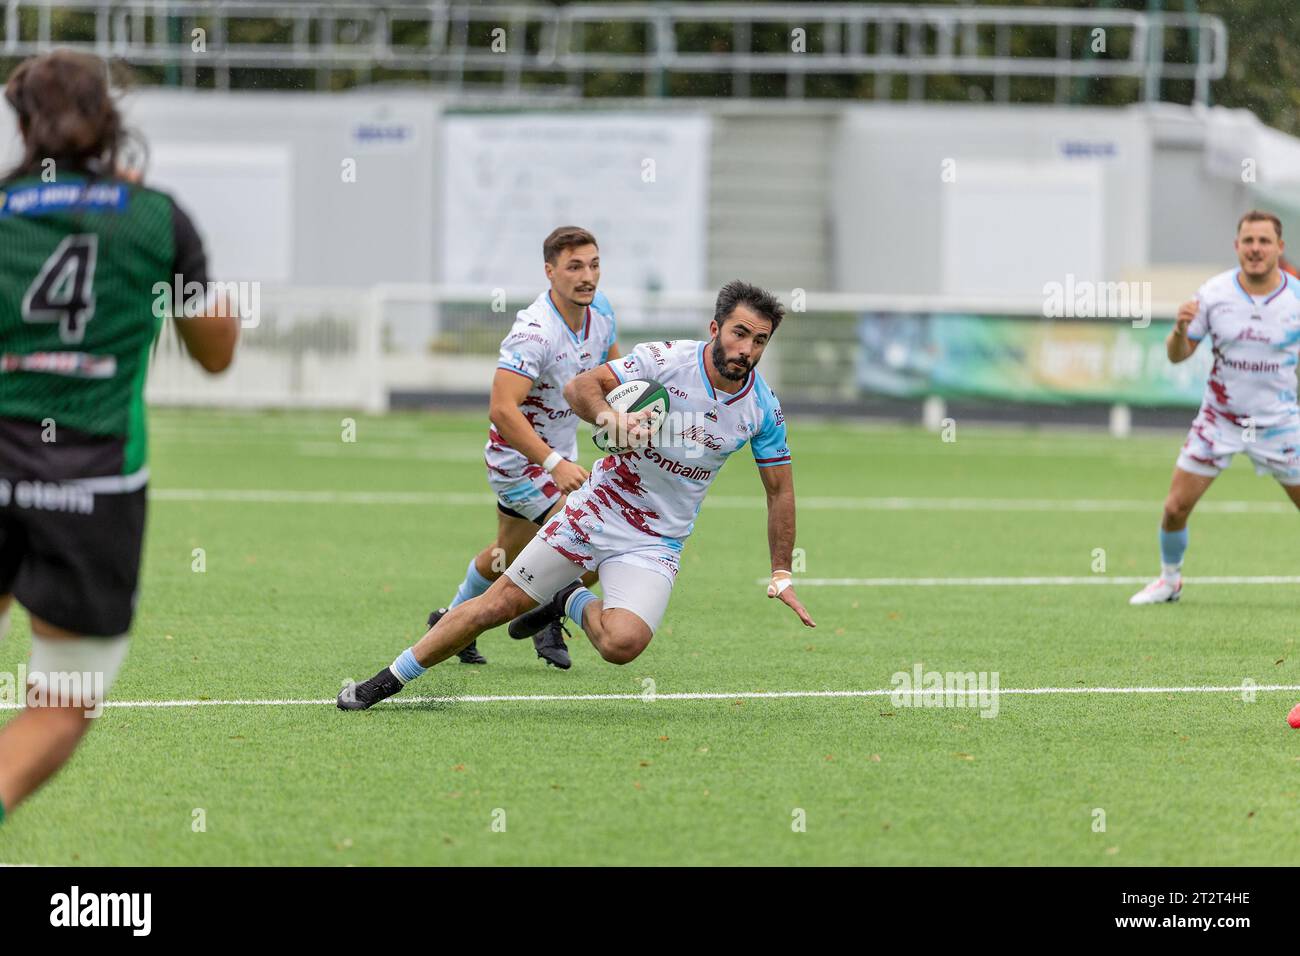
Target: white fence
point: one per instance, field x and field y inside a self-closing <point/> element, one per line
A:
<point x="354" y="348"/>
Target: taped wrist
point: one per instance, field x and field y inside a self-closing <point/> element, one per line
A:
<point x="780" y="581"/>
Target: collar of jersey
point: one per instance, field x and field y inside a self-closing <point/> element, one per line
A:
<point x="586" y="321"/>
<point x="749" y="382"/>
<point x="1286" y="278"/>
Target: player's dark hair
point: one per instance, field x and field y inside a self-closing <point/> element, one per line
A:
<point x="736" y="293"/>
<point x="1258" y="215"/>
<point x="566" y="237"/>
<point x="65" y="112"/>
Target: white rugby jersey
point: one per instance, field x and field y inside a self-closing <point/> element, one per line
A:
<point x="654" y="494"/>
<point x="543" y="348"/>
<point x="1256" y="340"/>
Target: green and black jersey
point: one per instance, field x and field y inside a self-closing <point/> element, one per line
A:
<point x="81" y="262"/>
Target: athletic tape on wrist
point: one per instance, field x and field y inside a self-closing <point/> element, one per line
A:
<point x="553" y="459"/>
<point x="777" y="585"/>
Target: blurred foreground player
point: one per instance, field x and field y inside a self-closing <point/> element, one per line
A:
<point x="81" y="251"/>
<point x="1252" y="316"/>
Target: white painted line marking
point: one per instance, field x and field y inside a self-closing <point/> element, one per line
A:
<point x="1023" y="582"/>
<point x="740" y="695"/>
<point x="402" y="452"/>
<point x="456" y="499"/>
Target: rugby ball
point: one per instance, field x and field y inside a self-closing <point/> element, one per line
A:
<point x="634" y="395"/>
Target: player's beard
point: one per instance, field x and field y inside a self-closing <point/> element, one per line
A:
<point x="719" y="356"/>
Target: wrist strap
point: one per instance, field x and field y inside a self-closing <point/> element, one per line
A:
<point x="553" y="459"/>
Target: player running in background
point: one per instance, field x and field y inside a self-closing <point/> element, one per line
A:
<point x="1252" y="315"/>
<point x="81" y="249"/>
<point x="532" y="447"/>
<point x="632" y="516"/>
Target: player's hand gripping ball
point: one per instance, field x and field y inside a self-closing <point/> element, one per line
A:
<point x="643" y="395"/>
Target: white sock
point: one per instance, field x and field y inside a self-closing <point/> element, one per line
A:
<point x="1172" y="573"/>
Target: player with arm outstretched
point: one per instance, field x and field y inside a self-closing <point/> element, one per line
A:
<point x="1252" y="316"/>
<point x="630" y="520"/>
<point x="532" y="447"/>
<point x="82" y="258"/>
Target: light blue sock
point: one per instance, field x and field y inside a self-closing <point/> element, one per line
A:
<point x="473" y="585"/>
<point x="1173" y="545"/>
<point x="577" y="603"/>
<point x="406" y="667"/>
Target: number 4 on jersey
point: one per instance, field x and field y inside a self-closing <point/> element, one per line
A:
<point x="62" y="292"/>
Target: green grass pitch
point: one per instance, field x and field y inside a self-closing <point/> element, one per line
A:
<point x="301" y="592"/>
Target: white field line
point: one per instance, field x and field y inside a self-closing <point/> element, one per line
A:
<point x="757" y="501"/>
<point x="430" y="446"/>
<point x="325" y="449"/>
<point x="1022" y="582"/>
<point x="1084" y="440"/>
<point x="294" y="497"/>
<point x="647" y="698"/>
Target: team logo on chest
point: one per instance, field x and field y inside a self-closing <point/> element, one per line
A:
<point x="712" y="414"/>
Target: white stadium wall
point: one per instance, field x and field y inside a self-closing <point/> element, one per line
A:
<point x="859" y="198"/>
<point x="963" y="199"/>
<point x="1210" y="167"/>
<point x="323" y="230"/>
<point x="382" y="285"/>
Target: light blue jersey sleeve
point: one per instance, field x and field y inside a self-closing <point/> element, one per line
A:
<point x="601" y="304"/>
<point x="769" y="445"/>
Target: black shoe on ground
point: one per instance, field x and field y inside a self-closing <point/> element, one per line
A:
<point x="365" y="695"/>
<point x="539" y="618"/>
<point x="551" y="647"/>
<point x="469" y="653"/>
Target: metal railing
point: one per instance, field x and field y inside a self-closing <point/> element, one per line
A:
<point x="340" y="347"/>
<point x="516" y="48"/>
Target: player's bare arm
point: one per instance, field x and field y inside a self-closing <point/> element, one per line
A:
<point x="508" y="393"/>
<point x="778" y="481"/>
<point x="210" y="339"/>
<point x="1178" y="346"/>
